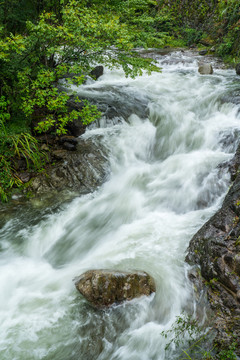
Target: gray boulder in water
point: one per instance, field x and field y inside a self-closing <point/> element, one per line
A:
<point x="103" y="288"/>
<point x="205" y="69"/>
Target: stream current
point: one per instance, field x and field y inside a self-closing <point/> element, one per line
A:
<point x="164" y="184"/>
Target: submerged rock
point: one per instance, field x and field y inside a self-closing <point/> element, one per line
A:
<point x="103" y="288"/>
<point x="205" y="69"/>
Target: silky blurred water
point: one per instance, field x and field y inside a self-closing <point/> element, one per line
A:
<point x="164" y="184"/>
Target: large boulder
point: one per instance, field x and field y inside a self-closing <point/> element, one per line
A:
<point x="103" y="288"/>
<point x="205" y="69"/>
<point x="238" y="69"/>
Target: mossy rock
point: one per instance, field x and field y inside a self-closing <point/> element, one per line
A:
<point x="103" y="288"/>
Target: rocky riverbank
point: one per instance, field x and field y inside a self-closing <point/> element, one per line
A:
<point x="81" y="169"/>
<point x="215" y="252"/>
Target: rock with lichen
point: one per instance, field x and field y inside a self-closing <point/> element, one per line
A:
<point x="103" y="288"/>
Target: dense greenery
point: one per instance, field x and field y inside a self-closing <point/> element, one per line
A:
<point x="211" y="22"/>
<point x="228" y="29"/>
<point x="43" y="41"/>
<point x="69" y="37"/>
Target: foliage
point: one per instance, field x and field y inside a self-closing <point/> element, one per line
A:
<point x="15" y="13"/>
<point x="184" y="327"/>
<point x="32" y="65"/>
<point x="228" y="28"/>
<point x="219" y="19"/>
<point x="148" y="26"/>
<point x="186" y="332"/>
<point x="228" y="353"/>
<point x="66" y="40"/>
<point x="191" y="14"/>
<point x="12" y="147"/>
<point x="192" y="36"/>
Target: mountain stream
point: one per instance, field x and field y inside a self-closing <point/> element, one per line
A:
<point x="164" y="183"/>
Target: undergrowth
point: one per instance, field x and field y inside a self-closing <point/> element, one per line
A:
<point x="193" y="342"/>
<point x="15" y="145"/>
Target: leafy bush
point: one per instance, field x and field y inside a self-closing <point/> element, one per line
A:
<point x="71" y="40"/>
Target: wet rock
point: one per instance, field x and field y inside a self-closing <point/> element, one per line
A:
<point x="59" y="154"/>
<point x="97" y="71"/>
<point x="205" y="69"/>
<point x="81" y="171"/>
<point x="103" y="288"/>
<point x="203" y="52"/>
<point x="238" y="69"/>
<point x="24" y="177"/>
<point x="215" y="248"/>
<point x="233" y="164"/>
<point x="20" y="164"/>
<point x="76" y="127"/>
<point x="44" y="147"/>
<point x="69" y="139"/>
<point x="68" y="146"/>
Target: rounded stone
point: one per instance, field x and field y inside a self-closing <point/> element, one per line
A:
<point x="103" y="288"/>
<point x="205" y="69"/>
<point x="203" y="52"/>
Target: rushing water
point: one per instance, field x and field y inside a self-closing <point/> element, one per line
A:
<point x="164" y="184"/>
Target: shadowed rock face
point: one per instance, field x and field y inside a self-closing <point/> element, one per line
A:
<point x="97" y="71"/>
<point x="82" y="170"/>
<point x="216" y="249"/>
<point x="103" y="288"/>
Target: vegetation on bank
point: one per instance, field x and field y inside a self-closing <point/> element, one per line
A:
<point x="43" y="41"/>
<point x="211" y="23"/>
<point x="192" y="341"/>
<point x="40" y="45"/>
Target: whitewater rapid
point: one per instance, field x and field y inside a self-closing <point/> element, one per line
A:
<point x="164" y="183"/>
